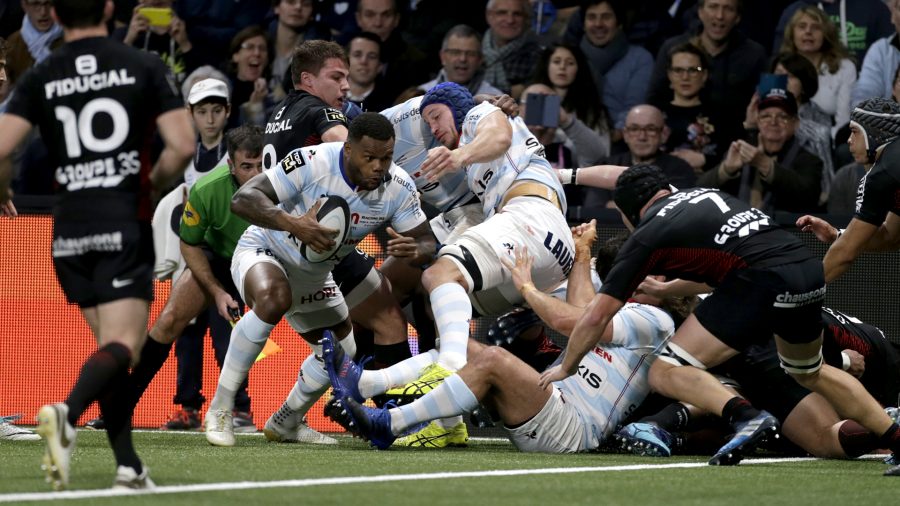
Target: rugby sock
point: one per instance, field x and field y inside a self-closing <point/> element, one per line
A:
<point x="855" y="439"/>
<point x="117" y="417"/>
<point x="312" y="381"/>
<point x="247" y="340"/>
<point x="738" y="410"/>
<point x="452" y="312"/>
<point x="450" y="398"/>
<point x="891" y="439"/>
<point x="389" y="354"/>
<point x="674" y="418"/>
<point x="96" y="375"/>
<point x="152" y="357"/>
<point x="372" y="383"/>
<point x="311" y="384"/>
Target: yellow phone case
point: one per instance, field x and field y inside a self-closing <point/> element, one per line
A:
<point x="158" y="16"/>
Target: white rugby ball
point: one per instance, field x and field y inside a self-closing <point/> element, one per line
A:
<point x="334" y="213"/>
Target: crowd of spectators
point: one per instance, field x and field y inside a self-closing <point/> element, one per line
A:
<point x="703" y="84"/>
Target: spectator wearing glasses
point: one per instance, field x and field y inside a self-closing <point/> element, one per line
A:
<point x="645" y="132"/>
<point x="38" y="36"/>
<point x="461" y="62"/>
<point x="735" y="61"/>
<point x="771" y="172"/>
<point x="695" y="128"/>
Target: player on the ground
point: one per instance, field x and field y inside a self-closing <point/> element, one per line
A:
<point x="572" y="415"/>
<point x="96" y="102"/>
<point x="277" y="281"/>
<point x="761" y="273"/>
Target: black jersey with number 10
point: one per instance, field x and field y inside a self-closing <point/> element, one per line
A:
<point x="96" y="101"/>
<point x="700" y="234"/>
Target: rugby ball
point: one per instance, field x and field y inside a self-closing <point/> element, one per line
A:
<point x="334" y="213"/>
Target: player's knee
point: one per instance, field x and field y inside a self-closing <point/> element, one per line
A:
<point x="491" y="359"/>
<point x="658" y="373"/>
<point x="165" y="329"/>
<point x="441" y="272"/>
<point x="271" y="304"/>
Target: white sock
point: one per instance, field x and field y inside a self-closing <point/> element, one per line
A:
<point x="450" y="398"/>
<point x="311" y="383"/>
<point x="452" y="312"/>
<point x="247" y="341"/>
<point x="379" y="381"/>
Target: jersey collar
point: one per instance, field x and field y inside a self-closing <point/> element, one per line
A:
<point x="344" y="172"/>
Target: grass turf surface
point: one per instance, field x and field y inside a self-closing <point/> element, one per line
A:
<point x="177" y="459"/>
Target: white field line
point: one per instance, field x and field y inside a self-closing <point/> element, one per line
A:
<point x="351" y="480"/>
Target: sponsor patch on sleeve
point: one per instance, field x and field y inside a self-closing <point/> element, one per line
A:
<point x="334" y="115"/>
<point x="190" y="217"/>
<point x="292" y="161"/>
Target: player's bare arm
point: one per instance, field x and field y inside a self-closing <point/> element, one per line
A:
<point x="587" y="333"/>
<point x="418" y="244"/>
<point x="597" y="176"/>
<point x="848" y="246"/>
<point x="178" y="135"/>
<point x="580" y="288"/>
<point x="337" y="133"/>
<point x="15" y="129"/>
<point x="257" y="202"/>
<point x="493" y="137"/>
<point x="197" y="262"/>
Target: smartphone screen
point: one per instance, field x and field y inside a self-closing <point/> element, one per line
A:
<point x="158" y="16"/>
<point x="542" y="110"/>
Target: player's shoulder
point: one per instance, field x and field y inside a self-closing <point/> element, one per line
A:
<point x="401" y="179"/>
<point x="316" y="158"/>
<point x="890" y="160"/>
<point x="403" y="112"/>
<point x="480" y="111"/>
<point x="212" y="180"/>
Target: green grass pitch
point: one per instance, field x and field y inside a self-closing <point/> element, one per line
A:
<point x="487" y="472"/>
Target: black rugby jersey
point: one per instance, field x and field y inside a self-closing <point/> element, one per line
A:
<point x="298" y="121"/>
<point x="882" y="375"/>
<point x="879" y="190"/>
<point x="700" y="234"/>
<point x="96" y="101"/>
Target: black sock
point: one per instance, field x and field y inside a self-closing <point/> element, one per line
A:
<point x="891" y="439"/>
<point x="425" y="331"/>
<point x="673" y="418"/>
<point x="95" y="378"/>
<point x="117" y="417"/>
<point x="856" y="440"/>
<point x="389" y="354"/>
<point x="153" y="356"/>
<point x="738" y="410"/>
